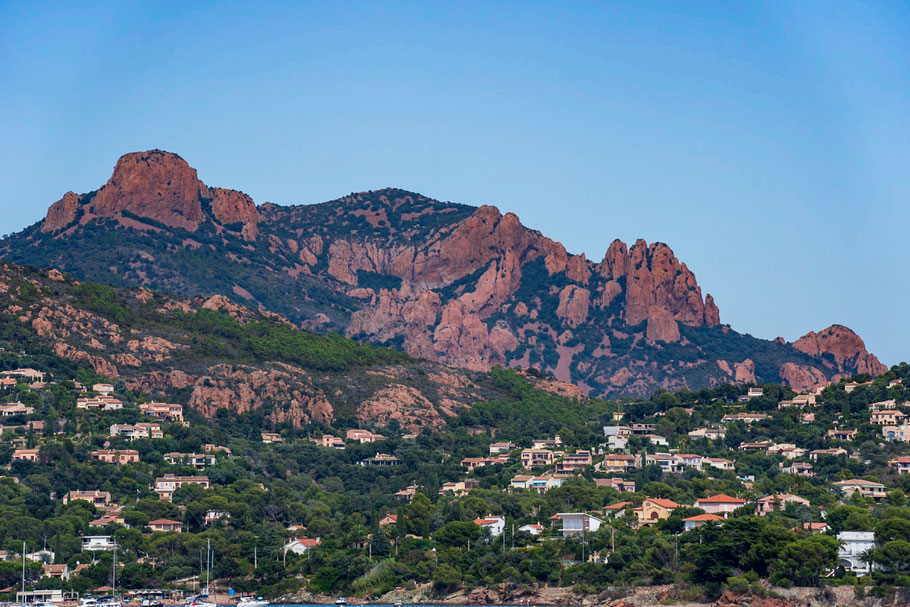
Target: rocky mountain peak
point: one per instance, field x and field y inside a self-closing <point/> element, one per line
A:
<point x="160" y="186"/>
<point x="844" y="346"/>
<point x="154" y="184"/>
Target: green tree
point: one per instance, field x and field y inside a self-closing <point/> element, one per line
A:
<point x="804" y="561"/>
<point x="457" y="533"/>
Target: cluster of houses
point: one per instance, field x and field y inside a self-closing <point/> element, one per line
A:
<point x="545" y="465"/>
<point x="362" y="437"/>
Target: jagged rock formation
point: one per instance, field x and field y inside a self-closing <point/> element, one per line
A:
<point x="460" y="285"/>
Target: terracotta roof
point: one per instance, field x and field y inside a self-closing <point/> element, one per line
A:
<point x="486" y="521"/>
<point x="164" y="521"/>
<point x="663" y="503"/>
<point x="858" y="481"/>
<point x="720" y="499"/>
<point x="704" y="517"/>
<point x="811" y="526"/>
<point x="617" y="506"/>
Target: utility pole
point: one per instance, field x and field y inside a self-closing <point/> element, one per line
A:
<point x="584" y="537"/>
<point x="677" y="553"/>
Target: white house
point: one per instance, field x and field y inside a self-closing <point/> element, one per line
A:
<point x="300" y="546"/>
<point x="617" y="442"/>
<point x="577" y="523"/>
<point x="533" y="528"/>
<point x="39" y="596"/>
<point x="97" y="542"/>
<point x="496" y="524"/>
<point x="853" y="545"/>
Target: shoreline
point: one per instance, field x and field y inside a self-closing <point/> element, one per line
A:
<point x="636" y="596"/>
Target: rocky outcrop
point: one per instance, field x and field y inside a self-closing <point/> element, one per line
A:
<point x="654" y="277"/>
<point x="712" y="314"/>
<point x="62" y="213"/>
<point x="231" y="207"/>
<point x="744" y="372"/>
<point x="160" y="186"/>
<point x="241" y="389"/>
<point x="661" y="325"/>
<point x="844" y="347"/>
<point x="573" y="305"/>
<point x="801" y="378"/>
<point x="404" y="403"/>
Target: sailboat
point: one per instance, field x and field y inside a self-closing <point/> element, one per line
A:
<point x="112" y="600"/>
<point x="203" y="600"/>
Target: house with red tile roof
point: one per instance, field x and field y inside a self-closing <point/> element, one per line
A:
<point x="654" y="509"/>
<point x="861" y="486"/>
<point x="698" y="520"/>
<point x="719" y="504"/>
<point x="811" y="527"/>
<point x="774" y="503"/>
<point x="164" y="524"/>
<point x="496" y="524"/>
<point x="388" y="519"/>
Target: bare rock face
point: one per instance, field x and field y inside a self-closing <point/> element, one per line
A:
<point x="156" y="185"/>
<point x="744" y="372"/>
<point x="62" y="213"/>
<point x="712" y="314"/>
<point x="845" y="346"/>
<point x="462" y="336"/>
<point x="655" y="277"/>
<point x="573" y="307"/>
<point x="231" y="206"/>
<point x="802" y="378"/>
<point x="160" y="186"/>
<point x="241" y="389"/>
<point x="661" y="325"/>
<point x="220" y="303"/>
<point x="404" y="403"/>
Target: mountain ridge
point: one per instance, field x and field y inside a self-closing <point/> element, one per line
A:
<point x="465" y="286"/>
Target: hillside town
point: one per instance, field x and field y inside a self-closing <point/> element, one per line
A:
<point x="573" y="491"/>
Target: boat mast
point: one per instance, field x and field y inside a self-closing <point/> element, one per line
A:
<point x="24" y="600"/>
<point x="114" y="572"/>
<point x="212" y="562"/>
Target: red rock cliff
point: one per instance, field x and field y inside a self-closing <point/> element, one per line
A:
<point x="846" y="348"/>
<point x="160" y="186"/>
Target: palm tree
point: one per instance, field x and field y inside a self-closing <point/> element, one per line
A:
<point x="868" y="557"/>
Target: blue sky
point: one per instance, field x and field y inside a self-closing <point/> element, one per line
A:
<point x="767" y="144"/>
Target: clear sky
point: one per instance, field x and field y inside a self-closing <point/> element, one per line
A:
<point x="767" y="144"/>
